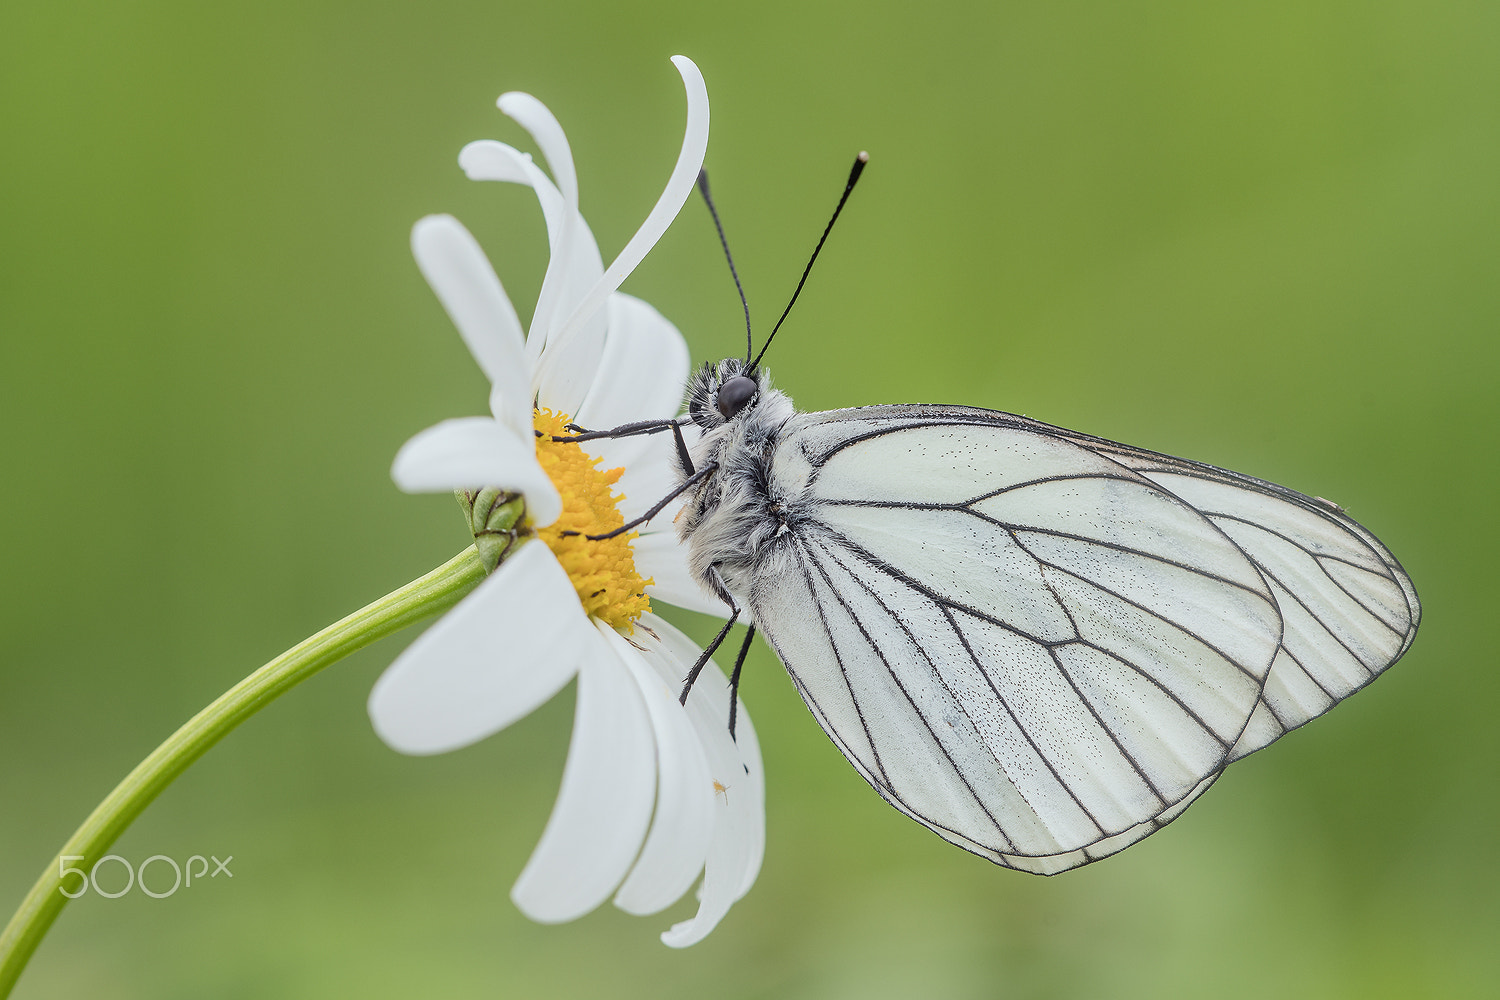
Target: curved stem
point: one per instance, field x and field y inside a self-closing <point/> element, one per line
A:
<point x="423" y="597"/>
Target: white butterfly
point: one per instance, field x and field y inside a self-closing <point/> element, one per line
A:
<point x="1040" y="644"/>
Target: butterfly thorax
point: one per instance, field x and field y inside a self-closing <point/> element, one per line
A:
<point x="733" y="520"/>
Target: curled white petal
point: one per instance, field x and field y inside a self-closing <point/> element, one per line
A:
<point x="501" y="652"/>
<point x="460" y="274"/>
<point x="604" y="805"/>
<point x="488" y="160"/>
<point x="740" y="809"/>
<point x="679" y="188"/>
<point x="682" y="826"/>
<point x="559" y="383"/>
<point x="571" y="270"/>
<point x="470" y="453"/>
<point x="532" y="115"/>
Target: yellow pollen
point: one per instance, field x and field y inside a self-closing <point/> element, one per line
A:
<point x="602" y="572"/>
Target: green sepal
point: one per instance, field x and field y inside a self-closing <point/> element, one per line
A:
<point x="497" y="519"/>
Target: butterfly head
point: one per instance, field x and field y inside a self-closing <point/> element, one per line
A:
<point x="721" y="391"/>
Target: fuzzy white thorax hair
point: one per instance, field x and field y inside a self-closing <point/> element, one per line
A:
<point x="733" y="516"/>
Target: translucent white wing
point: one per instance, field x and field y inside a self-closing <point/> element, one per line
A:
<point x="1034" y="650"/>
<point x="1350" y="609"/>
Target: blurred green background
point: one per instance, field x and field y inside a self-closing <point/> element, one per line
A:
<point x="1265" y="236"/>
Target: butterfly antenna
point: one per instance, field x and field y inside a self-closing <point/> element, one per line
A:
<point x="858" y="168"/>
<point x="709" y="200"/>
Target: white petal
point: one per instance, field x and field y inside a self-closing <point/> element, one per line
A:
<point x="502" y="651"/>
<point x="488" y="160"/>
<point x="565" y="282"/>
<point x="753" y="823"/>
<point x="649" y="470"/>
<point x="679" y="188"/>
<point x="643" y="370"/>
<point x="682" y="827"/>
<point x="560" y="383"/>
<point x="604" y="805"/>
<point x="532" y="115"/>
<point x="649" y="474"/>
<point x="470" y="453"/>
<point x="567" y="366"/>
<point x="661" y="556"/>
<point x="460" y="274"/>
<point x="740" y="810"/>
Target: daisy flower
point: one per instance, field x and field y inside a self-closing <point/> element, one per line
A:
<point x="643" y="808"/>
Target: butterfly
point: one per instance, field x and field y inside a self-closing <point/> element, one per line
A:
<point x="1040" y="644"/>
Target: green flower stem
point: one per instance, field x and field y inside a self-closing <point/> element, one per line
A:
<point x="422" y="598"/>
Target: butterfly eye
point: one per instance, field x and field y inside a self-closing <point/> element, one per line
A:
<point x="735" y="394"/>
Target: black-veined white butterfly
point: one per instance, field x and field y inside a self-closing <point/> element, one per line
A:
<point x="1040" y="644"/>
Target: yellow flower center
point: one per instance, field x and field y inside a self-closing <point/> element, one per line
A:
<point x="602" y="572"/>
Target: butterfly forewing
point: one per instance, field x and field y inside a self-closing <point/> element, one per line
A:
<point x="1349" y="607"/>
<point x="1027" y="646"/>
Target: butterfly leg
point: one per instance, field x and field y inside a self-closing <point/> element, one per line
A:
<point x="682" y="450"/>
<point x="581" y="433"/>
<point x="676" y="492"/>
<point x="734" y="678"/>
<point x="717" y="583"/>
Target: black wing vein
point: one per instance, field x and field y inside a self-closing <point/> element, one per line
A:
<point x="904" y="692"/>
